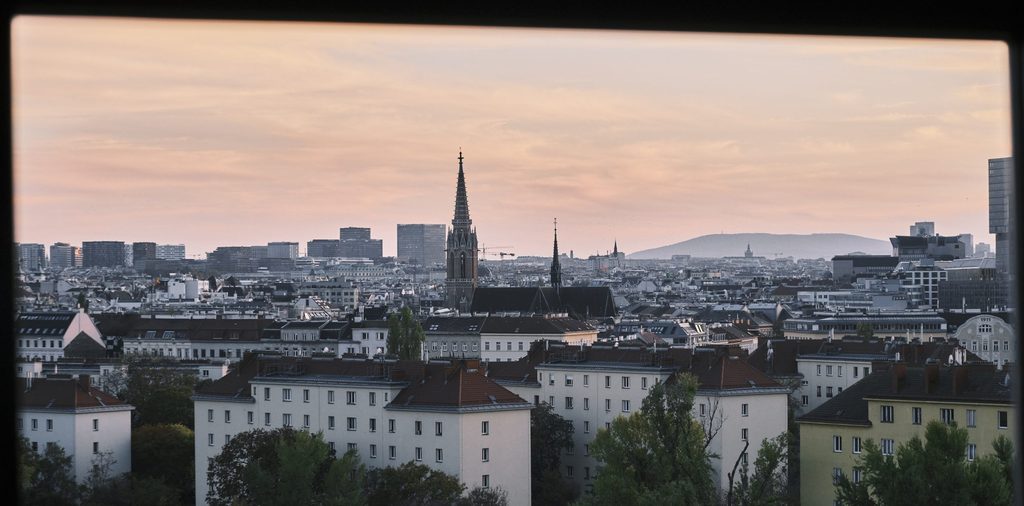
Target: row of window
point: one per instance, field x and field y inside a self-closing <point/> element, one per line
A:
<point x="351" y="423"/>
<point x="995" y="345"/>
<point x="839" y="371"/>
<point x="887" y="449"/>
<point x="35" y="343"/>
<point x="744" y="409"/>
<point x="947" y="415"/>
<point x="351" y="396"/>
<point x="625" y="381"/>
<point x="34" y="424"/>
<point x="828" y="393"/>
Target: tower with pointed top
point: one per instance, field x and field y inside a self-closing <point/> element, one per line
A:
<point x="749" y="253"/>
<point x="461" y="251"/>
<point x="556" y="266"/>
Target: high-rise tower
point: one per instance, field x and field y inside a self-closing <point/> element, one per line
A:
<point x="461" y="251"/>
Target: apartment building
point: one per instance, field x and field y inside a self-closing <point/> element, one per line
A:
<point x="47" y="335"/>
<point x="69" y="412"/>
<point x="924" y="325"/>
<point x="501" y="338"/>
<point x="590" y="386"/>
<point x="989" y="337"/>
<point x="892" y="405"/>
<point x="446" y="415"/>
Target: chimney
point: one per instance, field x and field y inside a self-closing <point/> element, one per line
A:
<point x="931" y="375"/>
<point x="959" y="379"/>
<point x="83" y="380"/>
<point x="898" y="373"/>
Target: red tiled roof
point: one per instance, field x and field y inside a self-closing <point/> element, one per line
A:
<point x="61" y="391"/>
<point x="460" y="384"/>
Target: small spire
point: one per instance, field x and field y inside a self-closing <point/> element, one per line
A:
<point x="556" y="267"/>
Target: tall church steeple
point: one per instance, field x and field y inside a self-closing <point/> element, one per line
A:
<point x="461" y="251"/>
<point x="556" y="267"/>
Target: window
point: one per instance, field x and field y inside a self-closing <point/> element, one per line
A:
<point x="568" y="471"/>
<point x="946" y="415"/>
<point x="571" y="450"/>
<point x="819" y="369"/>
<point x="35" y="446"/>
<point x="286" y="419"/>
<point x="305" y="395"/>
<point x="485" y="480"/>
<point x="227" y="438"/>
<point x="249" y="416"/>
<point x="856" y="444"/>
<point x="804" y="400"/>
<point x="839" y="371"/>
<point x="485" y="428"/>
<point x="828" y="370"/>
<point x="586" y="426"/>
<point x="586" y="450"/>
<point x="887" y="414"/>
<point x="971" y="418"/>
<point x="743" y="458"/>
<point x="418" y="452"/>
<point x="209" y="415"/>
<point x="972" y="451"/>
<point x="286" y="394"/>
<point x="625" y="406"/>
<point x="305" y="421"/>
<point x="209" y="441"/>
<point x="915" y="414"/>
<point x="586" y="473"/>
<point x="485" y="455"/>
<point x="391" y="452"/>
<point x="568" y="403"/>
<point x="96" y="446"/>
<point x="743" y="434"/>
<point x="353" y="447"/>
<point x="497" y="345"/>
<point x="1003" y="419"/>
<point x="373" y="398"/>
<point x="887" y="446"/>
<point x="417" y="427"/>
<point x="837" y="444"/>
<point x="607" y="405"/>
<point x="350" y="398"/>
<point x="95" y="424"/>
<point x="330" y="397"/>
<point x="858" y="473"/>
<point x="1006" y="345"/>
<point x="551" y="400"/>
<point x="391" y="425"/>
<point x="49" y="425"/>
<point x="819" y="390"/>
<point x="440" y="455"/>
<point x="373" y="451"/>
<point x="744" y="411"/>
<point x="625" y="382"/>
<point x="837" y="473"/>
<point x="331" y="446"/>
<point x="438" y="426"/>
<point x="855" y="369"/>
<point x="350" y="423"/>
<point x="568" y="380"/>
<point x="330" y="422"/>
<point x="607" y="381"/>
<point x="586" y="404"/>
<point x="373" y="425"/>
<point x="865" y="371"/>
<point x="703" y="409"/>
<point x="266" y="394"/>
<point x="828" y="392"/>
<point x="586" y="380"/>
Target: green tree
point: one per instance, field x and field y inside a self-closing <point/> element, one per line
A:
<point x="657" y="454"/>
<point x="768" y="484"/>
<point x="932" y="472"/>
<point x="412" y="484"/>
<point x="160" y="392"/>
<point x="166" y="453"/>
<point x="298" y="474"/>
<point x="227" y="471"/>
<point x="154" y="492"/>
<point x="48" y="478"/>
<point x="492" y="496"/>
<point x="83" y="301"/>
<point x="550" y="434"/>
<point x="102" y="487"/>
<point x="405" y="335"/>
<point x="865" y="331"/>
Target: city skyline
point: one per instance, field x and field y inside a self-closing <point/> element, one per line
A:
<point x="259" y="132"/>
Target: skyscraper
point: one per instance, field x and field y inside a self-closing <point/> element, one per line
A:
<point x="461" y="251"/>
<point x="355" y="242"/>
<point x="31" y="257"/>
<point x="141" y="252"/>
<point x="421" y="244"/>
<point x="104" y="253"/>
<point x="62" y="255"/>
<point x="283" y="250"/>
<point x="1000" y="184"/>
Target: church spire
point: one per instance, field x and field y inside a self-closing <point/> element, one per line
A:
<point x="461" y="219"/>
<point x="616" y="250"/>
<point x="556" y="267"/>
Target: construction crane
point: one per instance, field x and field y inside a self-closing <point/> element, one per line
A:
<point x="503" y="255"/>
<point x="484" y="248"/>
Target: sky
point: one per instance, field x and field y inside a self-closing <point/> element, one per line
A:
<point x="221" y="133"/>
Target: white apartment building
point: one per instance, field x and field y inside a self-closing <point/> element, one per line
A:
<point x="368" y="336"/>
<point x="69" y="412"/>
<point x="448" y="416"/>
<point x="990" y="338"/>
<point x="501" y="338"/>
<point x="45" y="335"/>
<point x="735" y="402"/>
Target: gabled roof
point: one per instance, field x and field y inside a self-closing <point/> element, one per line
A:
<point x="460" y="385"/>
<point x="44" y="323"/>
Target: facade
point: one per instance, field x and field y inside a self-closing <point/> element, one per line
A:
<point x="103" y="254"/>
<point x="143" y="252"/>
<point x="72" y="413"/>
<point x="990" y="338"/>
<point x="421" y="244"/>
<point x="500" y="338"/>
<point x="1000" y="188"/>
<point x="63" y="255"/>
<point x="283" y="250"/>
<point x="935" y="247"/>
<point x="31" y="257"/>
<point x="592" y="385"/>
<point x="170" y="251"/>
<point x="355" y="242"/>
<point x="973" y="283"/>
<point x="338" y="292"/>
<point x="892" y="405"/>
<point x="924" y="325"/>
<point x="45" y="336"/>
<point x="461" y="252"/>
<point x="448" y="416"/>
<point x="923" y="278"/>
<point x="227" y="259"/>
<point x="847" y="268"/>
<point x="323" y="248"/>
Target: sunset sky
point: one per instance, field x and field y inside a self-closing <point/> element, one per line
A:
<point x="216" y="133"/>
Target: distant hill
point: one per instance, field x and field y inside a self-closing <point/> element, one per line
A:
<point x="770" y="246"/>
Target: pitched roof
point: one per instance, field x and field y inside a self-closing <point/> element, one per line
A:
<point x="459" y="385"/>
<point x="62" y="391"/>
<point x="578" y="302"/>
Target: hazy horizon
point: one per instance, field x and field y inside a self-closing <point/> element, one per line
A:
<point x="220" y="133"/>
